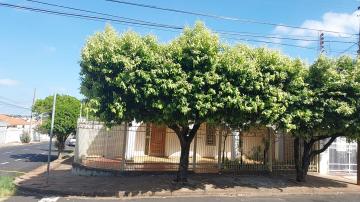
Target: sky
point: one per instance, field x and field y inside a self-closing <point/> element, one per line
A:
<point x="42" y="51"/>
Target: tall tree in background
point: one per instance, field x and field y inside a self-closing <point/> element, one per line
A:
<point x="66" y="114"/>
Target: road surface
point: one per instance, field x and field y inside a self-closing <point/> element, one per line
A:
<point x="18" y="159"/>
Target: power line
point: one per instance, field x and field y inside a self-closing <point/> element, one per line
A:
<point x="137" y="20"/>
<point x="278" y="37"/>
<point x="347" y="49"/>
<point x="8" y="99"/>
<point x="99" y="13"/>
<point x="225" y="17"/>
<point x="14" y="105"/>
<point x="271" y="42"/>
<point x="96" y="18"/>
<point x="81" y="15"/>
<point x="255" y="35"/>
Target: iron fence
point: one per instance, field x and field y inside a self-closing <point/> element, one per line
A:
<point x="150" y="147"/>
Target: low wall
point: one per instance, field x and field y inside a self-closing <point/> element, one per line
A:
<point x="11" y="135"/>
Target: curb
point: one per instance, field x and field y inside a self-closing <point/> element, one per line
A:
<point x="128" y="195"/>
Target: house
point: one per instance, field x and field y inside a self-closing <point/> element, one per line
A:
<point x="153" y="147"/>
<point x="13" y="122"/>
<point x="14" y="127"/>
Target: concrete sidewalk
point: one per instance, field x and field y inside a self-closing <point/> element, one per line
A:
<point x="63" y="183"/>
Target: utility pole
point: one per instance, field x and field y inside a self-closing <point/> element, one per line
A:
<point x="51" y="136"/>
<point x="358" y="142"/>
<point x="31" y="115"/>
<point x="358" y="15"/>
<point x="321" y="43"/>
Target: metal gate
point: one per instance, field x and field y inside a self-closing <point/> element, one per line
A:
<point x="342" y="156"/>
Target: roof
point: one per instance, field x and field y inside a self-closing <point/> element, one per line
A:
<point x="11" y="121"/>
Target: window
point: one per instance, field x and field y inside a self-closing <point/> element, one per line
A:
<point x="210" y="135"/>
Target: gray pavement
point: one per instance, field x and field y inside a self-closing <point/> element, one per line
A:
<point x="18" y="159"/>
<point x="340" y="197"/>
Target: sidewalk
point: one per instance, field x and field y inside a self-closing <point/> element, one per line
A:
<point x="63" y="183"/>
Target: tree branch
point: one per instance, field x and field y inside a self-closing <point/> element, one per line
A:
<point x="193" y="131"/>
<point x="316" y="152"/>
<point x="175" y="127"/>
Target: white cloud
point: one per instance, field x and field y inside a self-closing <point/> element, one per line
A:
<point x="8" y="82"/>
<point x="337" y="22"/>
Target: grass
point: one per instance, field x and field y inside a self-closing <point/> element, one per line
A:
<point x="7" y="187"/>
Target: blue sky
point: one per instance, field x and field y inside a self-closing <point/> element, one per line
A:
<point x="43" y="51"/>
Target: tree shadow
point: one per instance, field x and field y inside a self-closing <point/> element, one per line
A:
<point x="63" y="182"/>
<point x="30" y="157"/>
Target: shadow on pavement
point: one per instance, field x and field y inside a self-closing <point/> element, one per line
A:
<point x="63" y="182"/>
<point x="33" y="157"/>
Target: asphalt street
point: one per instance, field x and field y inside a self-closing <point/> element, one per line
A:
<point x="303" y="198"/>
<point x="17" y="159"/>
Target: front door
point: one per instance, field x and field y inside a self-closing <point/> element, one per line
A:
<point x="157" y="140"/>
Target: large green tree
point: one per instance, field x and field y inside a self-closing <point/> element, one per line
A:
<point x="259" y="85"/>
<point x="66" y="114"/>
<point x="189" y="81"/>
<point x="329" y="108"/>
<point x="136" y="78"/>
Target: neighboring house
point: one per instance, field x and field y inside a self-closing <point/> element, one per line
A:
<point x="13" y="122"/>
<point x="14" y="127"/>
<point x="3" y="127"/>
<point x="339" y="158"/>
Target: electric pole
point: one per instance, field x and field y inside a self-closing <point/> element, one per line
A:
<point x="358" y="15"/>
<point x="51" y="136"/>
<point x="31" y="116"/>
<point x="358" y="142"/>
<point x="321" y="43"/>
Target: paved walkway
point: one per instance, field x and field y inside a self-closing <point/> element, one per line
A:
<point x="62" y="182"/>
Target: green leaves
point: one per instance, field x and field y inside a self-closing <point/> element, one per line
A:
<point x="332" y="99"/>
<point x="197" y="78"/>
<point x="66" y="114"/>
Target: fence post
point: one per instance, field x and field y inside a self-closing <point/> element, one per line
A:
<point x="76" y="158"/>
<point x="194" y="153"/>
<point x="358" y="162"/>
<point x="219" y="151"/>
<point x="123" y="155"/>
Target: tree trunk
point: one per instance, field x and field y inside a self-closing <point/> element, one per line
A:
<point x="303" y="158"/>
<point x="184" y="163"/>
<point x="305" y="162"/>
<point x="60" y="147"/>
<point x="186" y="136"/>
<point x="297" y="155"/>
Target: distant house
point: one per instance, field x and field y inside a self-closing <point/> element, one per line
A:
<point x="12" y="122"/>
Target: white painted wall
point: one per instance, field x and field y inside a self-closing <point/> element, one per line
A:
<point x="94" y="139"/>
<point x="11" y="135"/>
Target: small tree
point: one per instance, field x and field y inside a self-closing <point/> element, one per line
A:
<point x="66" y="114"/>
<point x="328" y="108"/>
